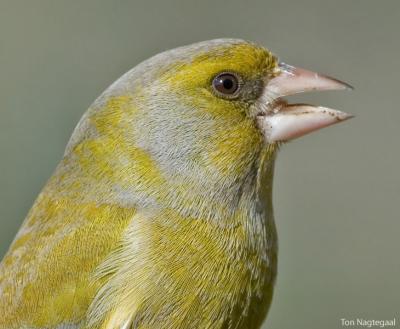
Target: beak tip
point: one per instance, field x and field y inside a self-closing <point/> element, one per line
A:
<point x="345" y="116"/>
<point x="348" y="86"/>
<point x="338" y="84"/>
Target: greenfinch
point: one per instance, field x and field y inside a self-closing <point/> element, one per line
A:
<point x="160" y="213"/>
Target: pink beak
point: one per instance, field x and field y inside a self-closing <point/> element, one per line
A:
<point x="284" y="121"/>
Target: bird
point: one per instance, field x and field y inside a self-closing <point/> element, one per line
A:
<point x="159" y="214"/>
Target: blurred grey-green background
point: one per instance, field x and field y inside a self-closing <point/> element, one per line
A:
<point x="337" y="191"/>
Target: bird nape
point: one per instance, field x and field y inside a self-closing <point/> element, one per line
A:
<point x="160" y="213"/>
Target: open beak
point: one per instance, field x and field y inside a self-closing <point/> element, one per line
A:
<point x="282" y="121"/>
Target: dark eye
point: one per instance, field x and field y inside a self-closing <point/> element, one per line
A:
<point x="226" y="84"/>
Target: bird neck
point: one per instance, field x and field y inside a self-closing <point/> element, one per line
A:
<point x="216" y="172"/>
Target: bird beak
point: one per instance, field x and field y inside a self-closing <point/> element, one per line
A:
<point x="282" y="121"/>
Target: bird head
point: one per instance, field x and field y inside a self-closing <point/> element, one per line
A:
<point x="197" y="122"/>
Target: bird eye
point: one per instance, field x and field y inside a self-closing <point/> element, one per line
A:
<point x="226" y="84"/>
